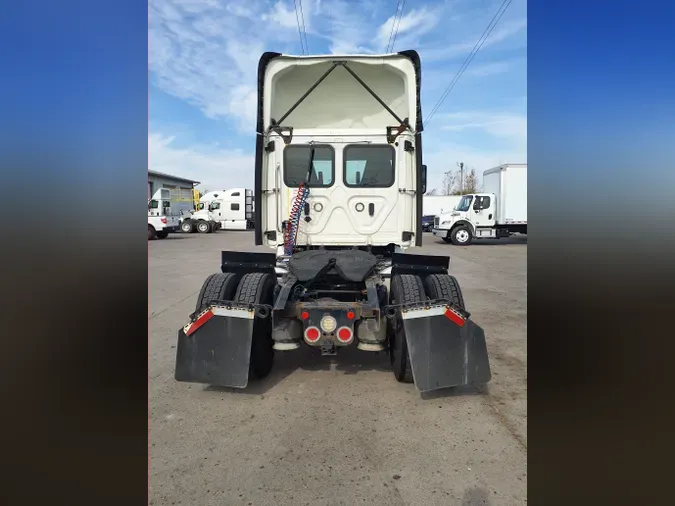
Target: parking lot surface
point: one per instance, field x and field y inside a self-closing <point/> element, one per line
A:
<point x="339" y="430"/>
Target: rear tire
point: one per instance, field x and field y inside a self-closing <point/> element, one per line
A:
<point x="152" y="234"/>
<point x="258" y="288"/>
<point x="203" y="227"/>
<point x="405" y="288"/>
<point x="217" y="287"/>
<point x="444" y="286"/>
<point x="163" y="234"/>
<point x="187" y="227"/>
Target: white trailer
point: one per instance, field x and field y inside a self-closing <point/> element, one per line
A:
<point x="233" y="208"/>
<point x="499" y="211"/>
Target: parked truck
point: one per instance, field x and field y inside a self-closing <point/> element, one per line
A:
<point x="233" y="208"/>
<point x="339" y="181"/>
<point x="499" y="211"/>
<point x="201" y="220"/>
<point x="162" y="219"/>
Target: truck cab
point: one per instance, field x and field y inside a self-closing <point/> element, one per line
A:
<point x="338" y="196"/>
<point x="202" y="219"/>
<point x="161" y="218"/>
<point x="473" y="216"/>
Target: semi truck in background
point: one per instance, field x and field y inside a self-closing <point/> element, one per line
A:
<point x="499" y="211"/>
<point x="162" y="218"/>
<point x="233" y="209"/>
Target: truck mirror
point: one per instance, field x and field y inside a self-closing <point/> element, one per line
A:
<point x="424" y="178"/>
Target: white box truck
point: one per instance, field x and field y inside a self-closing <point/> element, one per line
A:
<point x="435" y="205"/>
<point x="499" y="211"/>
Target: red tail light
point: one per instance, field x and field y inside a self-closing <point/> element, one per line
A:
<point x="304" y="315"/>
<point x="312" y="334"/>
<point x="350" y="315"/>
<point x="163" y="220"/>
<point x="344" y="334"/>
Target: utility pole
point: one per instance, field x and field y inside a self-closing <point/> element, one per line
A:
<point x="461" y="177"/>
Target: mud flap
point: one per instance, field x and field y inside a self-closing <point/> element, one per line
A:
<point x="446" y="348"/>
<point x="215" y="348"/>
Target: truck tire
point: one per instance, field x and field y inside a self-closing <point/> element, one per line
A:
<point x="217" y="286"/>
<point x="151" y="233"/>
<point x="187" y="227"/>
<point x="258" y="288"/>
<point x="405" y="288"/>
<point x="444" y="286"/>
<point x="162" y="234"/>
<point x="203" y="227"/>
<point x="461" y="236"/>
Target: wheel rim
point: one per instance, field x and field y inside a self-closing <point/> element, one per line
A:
<point x="203" y="227"/>
<point x="186" y="227"/>
<point x="462" y="236"/>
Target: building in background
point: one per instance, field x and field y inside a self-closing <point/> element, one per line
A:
<point x="182" y="189"/>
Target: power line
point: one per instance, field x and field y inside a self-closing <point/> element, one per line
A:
<point x="304" y="30"/>
<point x="297" y="18"/>
<point x="488" y="30"/>
<point x="397" y="26"/>
<point x="393" y="25"/>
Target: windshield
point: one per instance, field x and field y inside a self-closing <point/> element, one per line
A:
<point x="465" y="203"/>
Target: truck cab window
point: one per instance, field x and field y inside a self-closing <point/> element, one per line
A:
<point x="235" y="194"/>
<point x="154" y="204"/>
<point x="296" y="164"/>
<point x="369" y="166"/>
<point x="215" y="206"/>
<point x="234" y="207"/>
<point x="465" y="203"/>
<point x="481" y="203"/>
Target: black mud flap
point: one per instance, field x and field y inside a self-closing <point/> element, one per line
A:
<point x="215" y="347"/>
<point x="446" y="348"/>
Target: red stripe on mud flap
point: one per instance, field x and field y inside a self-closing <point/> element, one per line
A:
<point x="454" y="317"/>
<point x="200" y="321"/>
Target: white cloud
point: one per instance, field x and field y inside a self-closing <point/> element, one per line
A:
<point x="502" y="125"/>
<point x="214" y="166"/>
<point x="205" y="52"/>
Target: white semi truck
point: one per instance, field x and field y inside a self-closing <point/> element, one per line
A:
<point x="339" y="181"/>
<point x="233" y="208"/>
<point x="202" y="220"/>
<point x="499" y="211"/>
<point x="162" y="219"/>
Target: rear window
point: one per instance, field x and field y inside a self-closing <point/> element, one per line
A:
<point x="369" y="166"/>
<point x="296" y="164"/>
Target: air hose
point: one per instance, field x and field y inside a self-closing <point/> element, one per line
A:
<point x="291" y="230"/>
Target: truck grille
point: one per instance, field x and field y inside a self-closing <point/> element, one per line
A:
<point x="435" y="221"/>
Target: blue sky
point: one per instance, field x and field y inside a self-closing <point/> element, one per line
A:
<point x="203" y="58"/>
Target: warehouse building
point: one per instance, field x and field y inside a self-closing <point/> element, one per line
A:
<point x="181" y="188"/>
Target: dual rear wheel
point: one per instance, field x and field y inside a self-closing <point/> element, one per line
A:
<point x="252" y="288"/>
<point x="409" y="288"/>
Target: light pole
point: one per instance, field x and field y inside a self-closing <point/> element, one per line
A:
<point x="461" y="177"/>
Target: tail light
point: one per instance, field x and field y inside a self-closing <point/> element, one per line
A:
<point x="345" y="335"/>
<point x="163" y="220"/>
<point x="312" y="334"/>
